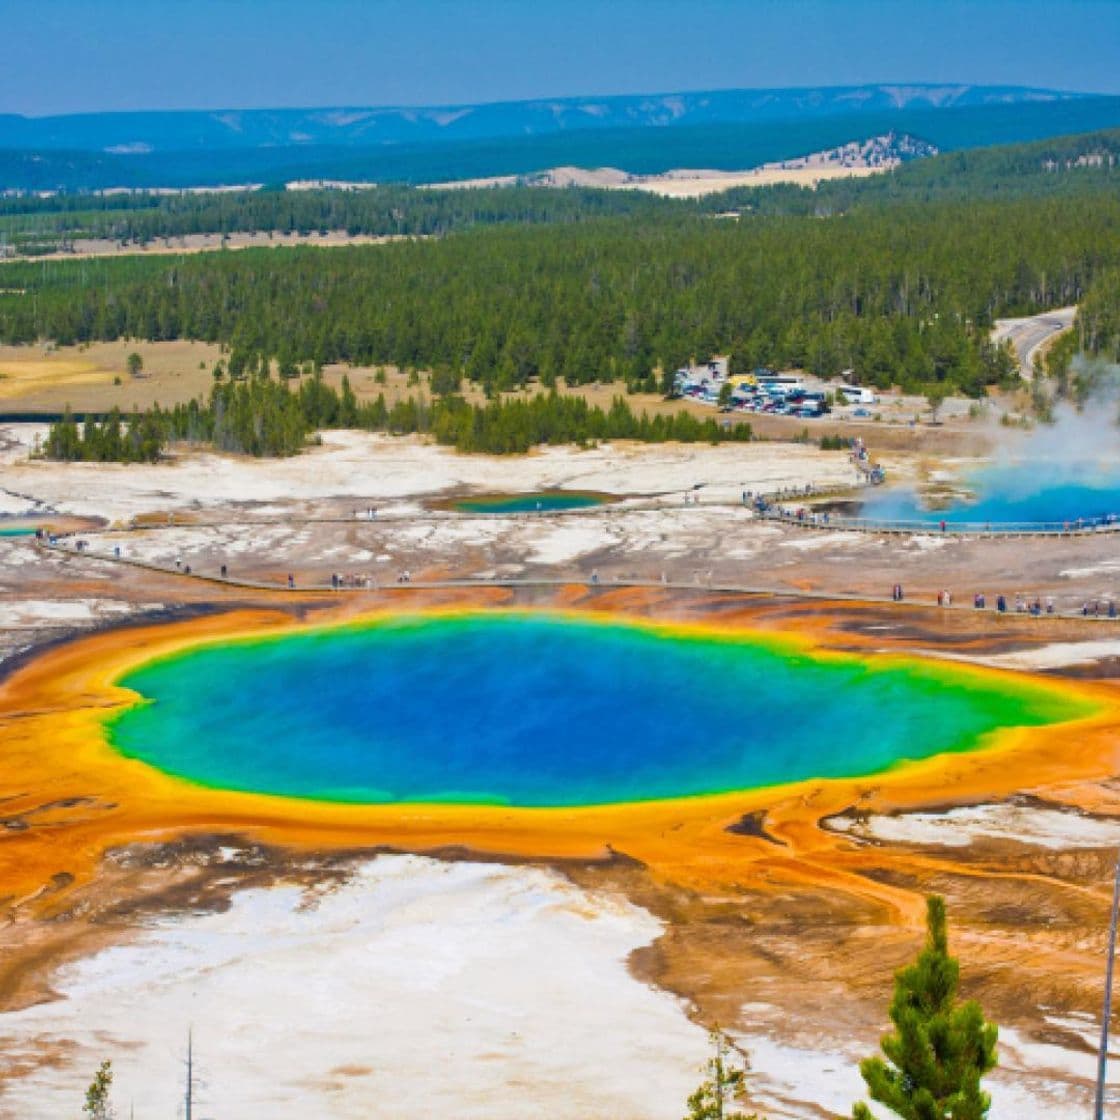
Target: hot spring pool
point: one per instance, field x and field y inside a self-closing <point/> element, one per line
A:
<point x="17" y="531"/>
<point x="1035" y="493"/>
<point x="547" y="710"/>
<point x="545" y="501"/>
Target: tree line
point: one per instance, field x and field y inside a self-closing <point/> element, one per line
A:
<point x="137" y="438"/>
<point x="36" y="225"/>
<point x="262" y="417"/>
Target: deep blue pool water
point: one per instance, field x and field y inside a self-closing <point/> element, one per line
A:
<point x="1025" y="492"/>
<point x="538" y="710"/>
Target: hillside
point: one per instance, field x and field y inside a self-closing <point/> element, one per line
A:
<point x="731" y="131"/>
<point x="360" y="127"/>
<point x="1060" y="165"/>
<point x="1080" y="165"/>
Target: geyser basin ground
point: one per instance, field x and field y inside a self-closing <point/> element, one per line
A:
<point x="1031" y="493"/>
<point x="548" y="710"/>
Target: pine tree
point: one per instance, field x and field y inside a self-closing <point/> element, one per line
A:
<point x="98" y="1106"/>
<point x="726" y="1085"/>
<point x="939" y="1049"/>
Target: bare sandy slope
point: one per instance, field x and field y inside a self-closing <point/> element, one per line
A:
<point x="680" y="183"/>
<point x="696" y="184"/>
<point x="853" y="160"/>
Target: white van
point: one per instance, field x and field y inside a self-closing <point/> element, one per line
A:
<point x="858" y="394"/>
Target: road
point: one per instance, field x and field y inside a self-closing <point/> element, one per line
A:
<point x="1028" y="335"/>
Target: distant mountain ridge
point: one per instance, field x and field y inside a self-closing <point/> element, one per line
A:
<point x="946" y="118"/>
<point x="365" y="127"/>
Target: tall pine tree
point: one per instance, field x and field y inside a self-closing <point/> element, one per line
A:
<point x="939" y="1049"/>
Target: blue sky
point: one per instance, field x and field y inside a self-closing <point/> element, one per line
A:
<point x="86" y="55"/>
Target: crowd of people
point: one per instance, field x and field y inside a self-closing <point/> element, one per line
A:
<point x="1036" y="605"/>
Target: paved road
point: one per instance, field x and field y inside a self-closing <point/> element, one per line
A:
<point x="1027" y="335"/>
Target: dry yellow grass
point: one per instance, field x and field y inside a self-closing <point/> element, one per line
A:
<point x="85" y="248"/>
<point x="683" y="185"/>
<point x="28" y="375"/>
<point x="36" y="380"/>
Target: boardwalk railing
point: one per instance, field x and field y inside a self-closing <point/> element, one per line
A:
<point x="591" y="582"/>
<point x="808" y="519"/>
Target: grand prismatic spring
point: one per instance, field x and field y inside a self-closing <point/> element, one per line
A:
<point x="547" y="710"/>
<point x="532" y="732"/>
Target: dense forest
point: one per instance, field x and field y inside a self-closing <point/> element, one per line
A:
<point x="1071" y="165"/>
<point x="903" y="295"/>
<point x="33" y="225"/>
<point x="263" y="417"/>
<point x="1098" y="317"/>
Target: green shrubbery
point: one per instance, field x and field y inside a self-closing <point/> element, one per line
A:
<point x="261" y="417"/>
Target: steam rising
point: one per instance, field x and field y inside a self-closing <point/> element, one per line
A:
<point x="1081" y="444"/>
